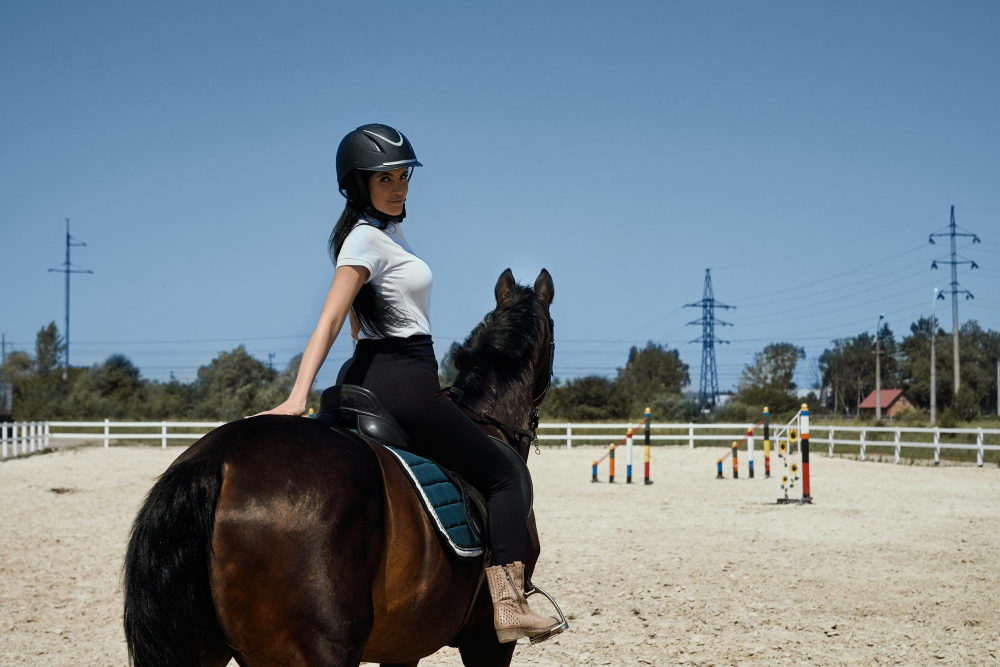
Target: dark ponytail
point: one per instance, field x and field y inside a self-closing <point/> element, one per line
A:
<point x="375" y="315"/>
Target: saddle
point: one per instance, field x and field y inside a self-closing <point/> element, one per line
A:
<point x="457" y="509"/>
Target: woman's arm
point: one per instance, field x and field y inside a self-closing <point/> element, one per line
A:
<point x="346" y="283"/>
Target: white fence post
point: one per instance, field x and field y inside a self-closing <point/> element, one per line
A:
<point x="937" y="446"/>
<point x="831" y="441"/>
<point x="48" y="436"/>
<point x="3" y="438"/>
<point x="862" y="445"/>
<point x="107" y="431"/>
<point x="897" y="445"/>
<point x="24" y="438"/>
<point x="164" y="432"/>
<point x="32" y="441"/>
<point x="979" y="451"/>
<point x="569" y="437"/>
<point x="691" y="436"/>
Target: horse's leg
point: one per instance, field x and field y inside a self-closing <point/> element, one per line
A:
<point x="296" y="544"/>
<point x="480" y="648"/>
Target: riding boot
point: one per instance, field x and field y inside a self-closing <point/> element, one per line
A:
<point x="512" y="617"/>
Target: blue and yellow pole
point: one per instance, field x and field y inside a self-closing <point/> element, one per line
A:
<point x="628" y="457"/>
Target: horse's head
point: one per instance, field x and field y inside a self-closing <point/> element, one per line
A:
<point x="505" y="365"/>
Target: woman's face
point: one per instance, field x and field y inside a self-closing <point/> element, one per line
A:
<point x="387" y="190"/>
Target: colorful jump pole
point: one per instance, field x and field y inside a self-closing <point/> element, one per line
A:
<point x="611" y="464"/>
<point x="750" y="451"/>
<point x="767" y="445"/>
<point x="804" y="451"/>
<point x="736" y="456"/>
<point x="610" y="455"/>
<point x="628" y="457"/>
<point x="647" y="480"/>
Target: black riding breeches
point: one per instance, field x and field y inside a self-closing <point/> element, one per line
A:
<point x="402" y="372"/>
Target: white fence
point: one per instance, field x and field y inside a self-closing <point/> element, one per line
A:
<point x="23" y="438"/>
<point x="819" y="434"/>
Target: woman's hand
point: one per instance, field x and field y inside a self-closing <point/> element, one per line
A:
<point x="289" y="407"/>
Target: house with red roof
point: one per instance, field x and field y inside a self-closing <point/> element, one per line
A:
<point x="893" y="402"/>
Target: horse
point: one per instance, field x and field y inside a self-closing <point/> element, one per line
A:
<point x="280" y="540"/>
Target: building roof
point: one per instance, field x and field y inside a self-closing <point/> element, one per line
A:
<point x="889" y="396"/>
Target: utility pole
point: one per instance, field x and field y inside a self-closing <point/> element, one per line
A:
<point x="955" y="290"/>
<point x="708" y="386"/>
<point x="933" y="360"/>
<point x="878" y="369"/>
<point x="270" y="360"/>
<point x="68" y="269"/>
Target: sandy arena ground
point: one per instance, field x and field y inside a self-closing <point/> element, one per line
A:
<point x="894" y="565"/>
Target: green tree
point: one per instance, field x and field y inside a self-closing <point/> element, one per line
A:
<point x="650" y="374"/>
<point x="849" y="368"/>
<point x="767" y="381"/>
<point x="234" y="385"/>
<point x="49" y="349"/>
<point x="590" y="398"/>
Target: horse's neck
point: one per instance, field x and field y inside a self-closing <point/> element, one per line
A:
<point x="511" y="405"/>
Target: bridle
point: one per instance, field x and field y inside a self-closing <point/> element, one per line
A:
<point x="511" y="432"/>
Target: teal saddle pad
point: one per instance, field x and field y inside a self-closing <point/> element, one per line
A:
<point x="443" y="502"/>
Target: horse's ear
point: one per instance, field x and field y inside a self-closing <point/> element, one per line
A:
<point x="505" y="285"/>
<point x="544" y="288"/>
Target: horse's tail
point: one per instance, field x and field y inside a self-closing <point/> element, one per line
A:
<point x="168" y="604"/>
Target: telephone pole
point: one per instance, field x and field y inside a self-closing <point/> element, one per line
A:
<point x="956" y="289"/>
<point x="68" y="268"/>
<point x="878" y="369"/>
<point x="708" y="386"/>
<point x="933" y="360"/>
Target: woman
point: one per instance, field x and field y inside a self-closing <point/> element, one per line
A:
<point x="385" y="289"/>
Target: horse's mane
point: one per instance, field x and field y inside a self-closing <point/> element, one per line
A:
<point x="500" y="350"/>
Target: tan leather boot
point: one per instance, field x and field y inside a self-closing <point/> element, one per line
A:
<point x="512" y="617"/>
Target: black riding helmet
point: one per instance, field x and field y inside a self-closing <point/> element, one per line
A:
<point x="373" y="147"/>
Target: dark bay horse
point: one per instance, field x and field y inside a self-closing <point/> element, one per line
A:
<point x="279" y="540"/>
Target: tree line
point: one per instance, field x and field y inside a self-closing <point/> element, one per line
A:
<point x="233" y="385"/>
<point x="236" y="384"/>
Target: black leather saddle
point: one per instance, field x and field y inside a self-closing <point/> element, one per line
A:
<point x="352" y="407"/>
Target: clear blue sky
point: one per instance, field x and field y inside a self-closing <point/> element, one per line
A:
<point x="804" y="151"/>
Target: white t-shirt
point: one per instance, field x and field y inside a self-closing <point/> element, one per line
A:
<point x="396" y="273"/>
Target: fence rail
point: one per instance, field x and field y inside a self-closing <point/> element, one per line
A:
<point x="24" y="438"/>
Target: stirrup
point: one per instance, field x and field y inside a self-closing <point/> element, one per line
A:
<point x="564" y="625"/>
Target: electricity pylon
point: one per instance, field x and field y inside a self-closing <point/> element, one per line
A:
<point x="956" y="289"/>
<point x="708" y="386"/>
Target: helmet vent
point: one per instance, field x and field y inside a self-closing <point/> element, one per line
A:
<point x="375" y="144"/>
